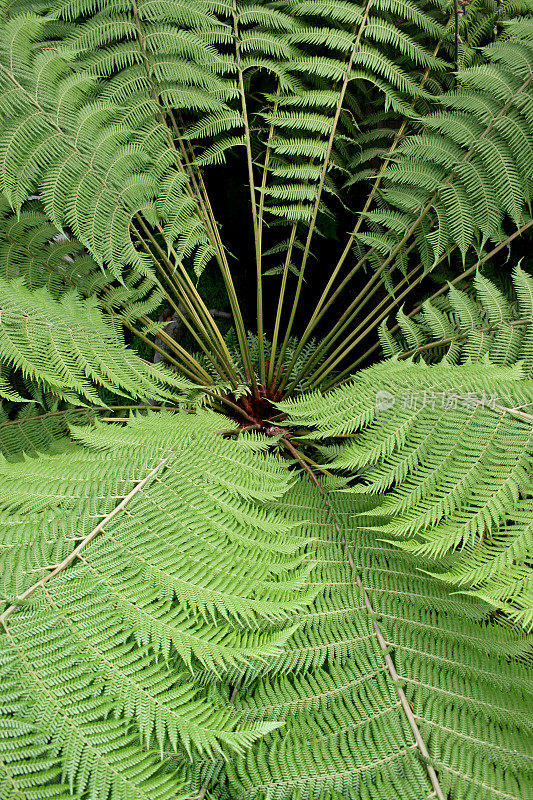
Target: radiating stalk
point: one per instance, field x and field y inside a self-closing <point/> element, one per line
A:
<point x="218" y="247"/>
<point x="320" y="309"/>
<point x="200" y="377"/>
<point x="253" y="202"/>
<point x="259" y="252"/>
<point x="210" y="347"/>
<point x="205" y="212"/>
<point x="221" y="258"/>
<point x="208" y="351"/>
<point x="443" y="289"/>
<point x="222" y="261"/>
<point x="466" y="273"/>
<point x="347" y="345"/>
<point x="225" y="401"/>
<point x="346" y="318"/>
<point x="271" y="367"/>
<point x="188" y="294"/>
<point x="320" y="188"/>
<point x="193" y="370"/>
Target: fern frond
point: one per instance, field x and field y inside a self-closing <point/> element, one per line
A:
<point x="105" y="757"/>
<point x="185" y="570"/>
<point x="32" y="248"/>
<point x="52" y="124"/>
<point x="467" y="327"/>
<point x="313" y="657"/>
<point x="71" y="348"/>
<point x="472" y="159"/>
<point x="32" y="432"/>
<point x="346" y="728"/>
<point x="451" y="450"/>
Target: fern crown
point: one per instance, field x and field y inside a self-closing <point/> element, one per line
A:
<point x="266" y="400"/>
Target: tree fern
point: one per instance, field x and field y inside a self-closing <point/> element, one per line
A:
<point x="150" y="85"/>
<point x="249" y="573"/>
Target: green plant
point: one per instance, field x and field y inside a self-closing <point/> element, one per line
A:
<point x="248" y="572"/>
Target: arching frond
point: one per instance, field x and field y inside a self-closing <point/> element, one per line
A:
<point x="450" y="450"/>
<point x="53" y="121"/>
<point x="32" y="432"/>
<point x="473" y="159"/>
<point x="385" y="658"/>
<point x="141" y="626"/>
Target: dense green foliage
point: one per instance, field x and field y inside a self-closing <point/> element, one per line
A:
<point x="494" y="324"/>
<point x="232" y="565"/>
<point x="108" y="651"/>
<point x="441" y="436"/>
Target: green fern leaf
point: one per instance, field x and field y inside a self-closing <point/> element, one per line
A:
<point x="71" y="347"/>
